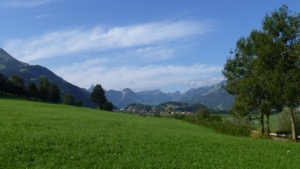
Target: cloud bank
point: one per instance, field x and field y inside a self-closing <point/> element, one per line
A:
<point x="139" y="56"/>
<point x="65" y="42"/>
<point x="139" y="78"/>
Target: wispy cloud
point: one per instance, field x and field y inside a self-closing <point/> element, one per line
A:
<point x="204" y="82"/>
<point x="42" y="16"/>
<point x="137" y="78"/>
<point x="65" y="42"/>
<point x="140" y="56"/>
<point x="23" y="3"/>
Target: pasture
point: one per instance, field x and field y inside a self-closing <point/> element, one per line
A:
<point x="40" y="135"/>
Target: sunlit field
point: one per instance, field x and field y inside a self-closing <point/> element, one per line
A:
<point x="40" y="135"/>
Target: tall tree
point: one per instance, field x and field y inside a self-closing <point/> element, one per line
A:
<point x="2" y="83"/>
<point x="264" y="73"/>
<point x="54" y="93"/>
<point x="243" y="79"/>
<point x="284" y="28"/>
<point x="16" y="85"/>
<point x="32" y="90"/>
<point x="43" y="89"/>
<point x="99" y="98"/>
<point x="69" y="99"/>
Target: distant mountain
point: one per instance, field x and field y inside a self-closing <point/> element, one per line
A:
<point x="211" y="96"/>
<point x="32" y="73"/>
<point x="122" y="98"/>
<point x="91" y="88"/>
<point x="154" y="97"/>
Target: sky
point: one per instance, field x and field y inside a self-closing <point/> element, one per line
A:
<point x="170" y="45"/>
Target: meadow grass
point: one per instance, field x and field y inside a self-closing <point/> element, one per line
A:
<point x="40" y="135"/>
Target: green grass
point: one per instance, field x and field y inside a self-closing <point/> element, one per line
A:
<point x="40" y="135"/>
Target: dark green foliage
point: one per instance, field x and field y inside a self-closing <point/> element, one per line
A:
<point x="48" y="91"/>
<point x="203" y="114"/>
<point x="232" y="129"/>
<point x="178" y="107"/>
<point x="204" y="117"/>
<point x="16" y="85"/>
<point x="99" y="98"/>
<point x="108" y="106"/>
<point x="264" y="72"/>
<point x="179" y="116"/>
<point x="283" y="122"/>
<point x="54" y="93"/>
<point x="32" y="90"/>
<point x="196" y="107"/>
<point x="2" y="83"/>
<point x="69" y="99"/>
<point x="43" y="89"/>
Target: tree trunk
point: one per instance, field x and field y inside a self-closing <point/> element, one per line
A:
<point x="262" y="126"/>
<point x="268" y="124"/>
<point x="294" y="132"/>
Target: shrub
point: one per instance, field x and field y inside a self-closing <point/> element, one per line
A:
<point x="179" y="116"/>
<point x="233" y="129"/>
<point x="283" y="123"/>
<point x="237" y="127"/>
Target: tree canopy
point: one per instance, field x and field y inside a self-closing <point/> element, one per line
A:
<point x="264" y="71"/>
<point x="99" y="98"/>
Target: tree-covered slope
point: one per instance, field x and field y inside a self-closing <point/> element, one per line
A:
<point x="32" y="73"/>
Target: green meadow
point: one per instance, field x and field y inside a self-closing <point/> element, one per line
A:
<point x="40" y="135"/>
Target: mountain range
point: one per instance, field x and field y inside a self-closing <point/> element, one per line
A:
<point x="213" y="96"/>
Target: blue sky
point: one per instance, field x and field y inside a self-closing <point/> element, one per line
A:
<point x="139" y="44"/>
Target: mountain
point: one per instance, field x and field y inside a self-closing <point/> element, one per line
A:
<point x="32" y="73"/>
<point x="122" y="98"/>
<point x="154" y="97"/>
<point x="211" y="96"/>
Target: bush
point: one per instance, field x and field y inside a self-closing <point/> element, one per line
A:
<point x="283" y="123"/>
<point x="156" y="115"/>
<point x="233" y="129"/>
<point x="179" y="116"/>
<point x="237" y="127"/>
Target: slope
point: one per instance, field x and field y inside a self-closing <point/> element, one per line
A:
<point x="39" y="135"/>
<point x="32" y="73"/>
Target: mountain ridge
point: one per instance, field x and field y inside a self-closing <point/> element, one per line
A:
<point x="213" y="96"/>
<point x="32" y="73"/>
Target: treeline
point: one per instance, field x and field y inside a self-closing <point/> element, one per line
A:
<point x="170" y="107"/>
<point x="15" y="86"/>
<point x="43" y="91"/>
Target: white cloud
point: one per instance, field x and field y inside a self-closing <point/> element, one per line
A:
<point x="136" y="78"/>
<point x="23" y="3"/>
<point x="42" y="16"/>
<point x="66" y="42"/>
<point x="157" y="52"/>
<point x="120" y="57"/>
<point x="204" y="82"/>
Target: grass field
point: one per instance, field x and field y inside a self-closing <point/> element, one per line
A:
<point x="39" y="135"/>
